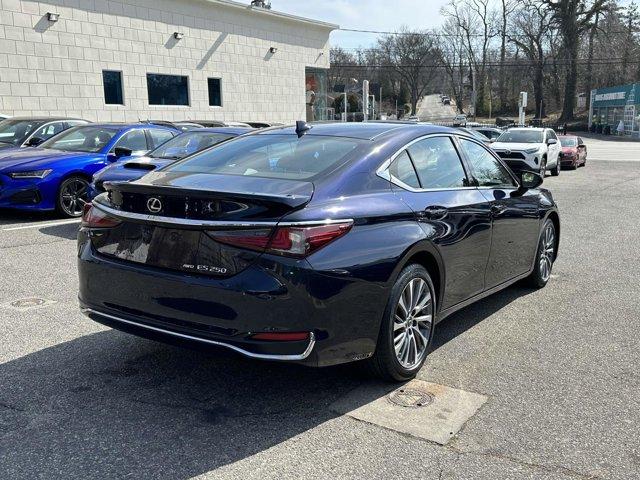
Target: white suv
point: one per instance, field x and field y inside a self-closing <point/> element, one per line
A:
<point x="533" y="149"/>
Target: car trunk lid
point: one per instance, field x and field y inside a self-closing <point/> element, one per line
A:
<point x="189" y="222"/>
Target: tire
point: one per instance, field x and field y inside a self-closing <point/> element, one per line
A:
<point x="72" y="195"/>
<point x="412" y="335"/>
<point x="555" y="171"/>
<point x="545" y="256"/>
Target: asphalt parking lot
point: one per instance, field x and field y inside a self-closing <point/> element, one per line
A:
<point x="558" y="366"/>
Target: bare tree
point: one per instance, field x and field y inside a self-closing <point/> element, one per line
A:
<point x="410" y="53"/>
<point x="532" y="26"/>
<point x="506" y="10"/>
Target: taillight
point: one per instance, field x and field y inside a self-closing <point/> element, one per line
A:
<point x="290" y="240"/>
<point x="95" y="218"/>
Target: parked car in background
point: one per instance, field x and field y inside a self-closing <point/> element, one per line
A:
<point x="263" y="124"/>
<point x="476" y="135"/>
<point x="490" y="132"/>
<point x="220" y="123"/>
<point x="460" y="121"/>
<point x="32" y="131"/>
<point x="573" y="153"/>
<point x="256" y="245"/>
<point x="446" y="100"/>
<point x="188" y="143"/>
<point x="4" y="117"/>
<point x="532" y="149"/>
<point x="182" y="126"/>
<point x="56" y="175"/>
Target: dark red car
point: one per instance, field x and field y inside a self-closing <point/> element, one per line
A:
<point x="573" y="153"/>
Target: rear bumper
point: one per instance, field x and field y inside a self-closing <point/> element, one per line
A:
<point x="272" y="295"/>
<point x="259" y="350"/>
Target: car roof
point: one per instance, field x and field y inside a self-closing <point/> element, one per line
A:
<point x="364" y="131"/>
<point x="45" y="119"/>
<point x="122" y="126"/>
<point x="530" y="129"/>
<point x="225" y="130"/>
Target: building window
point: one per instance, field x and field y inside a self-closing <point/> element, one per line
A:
<point x="316" y="95"/>
<point x="168" y="89"/>
<point x="112" y="81"/>
<point x="215" y="92"/>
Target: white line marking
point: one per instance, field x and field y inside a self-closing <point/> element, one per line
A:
<point x="42" y="225"/>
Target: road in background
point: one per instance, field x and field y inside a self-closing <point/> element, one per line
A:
<point x="431" y="109"/>
<point x="558" y="365"/>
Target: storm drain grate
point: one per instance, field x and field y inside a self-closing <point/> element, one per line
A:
<point x="29" y="303"/>
<point x="410" y="398"/>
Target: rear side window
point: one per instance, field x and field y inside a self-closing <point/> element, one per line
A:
<point x="402" y="169"/>
<point x="437" y="163"/>
<point x="158" y="137"/>
<point x="272" y="156"/>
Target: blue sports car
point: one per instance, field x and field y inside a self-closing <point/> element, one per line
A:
<point x="127" y="169"/>
<point x="56" y="175"/>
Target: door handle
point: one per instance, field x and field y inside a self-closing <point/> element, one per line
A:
<point x="435" y="213"/>
<point x="498" y="209"/>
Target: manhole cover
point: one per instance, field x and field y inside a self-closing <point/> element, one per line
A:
<point x="410" y="398"/>
<point x="23" y="304"/>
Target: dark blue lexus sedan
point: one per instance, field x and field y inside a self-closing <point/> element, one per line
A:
<point x="317" y="244"/>
<point x="56" y="174"/>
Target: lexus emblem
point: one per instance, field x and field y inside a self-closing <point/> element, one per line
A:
<point x="154" y="205"/>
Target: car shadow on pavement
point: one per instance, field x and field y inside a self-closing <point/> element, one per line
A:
<point x="16" y="217"/>
<point x="110" y="405"/>
<point x="468" y="317"/>
<point x="67" y="231"/>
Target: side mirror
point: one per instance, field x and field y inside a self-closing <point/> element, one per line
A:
<point x="529" y="180"/>
<point x="552" y="141"/>
<point x="122" y="152"/>
<point x="34" y="141"/>
<point x="492" y="140"/>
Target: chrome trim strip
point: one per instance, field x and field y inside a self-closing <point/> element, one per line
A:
<point x="210" y="223"/>
<point x="261" y="356"/>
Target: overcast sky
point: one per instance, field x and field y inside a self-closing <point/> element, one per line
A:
<point x="365" y="15"/>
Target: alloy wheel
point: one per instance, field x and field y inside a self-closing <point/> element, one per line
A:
<point x="412" y="323"/>
<point x="73" y="196"/>
<point x="547" y="252"/>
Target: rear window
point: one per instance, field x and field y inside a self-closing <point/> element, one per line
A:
<point x="272" y="156"/>
<point x="522" y="136"/>
<point x="569" y="141"/>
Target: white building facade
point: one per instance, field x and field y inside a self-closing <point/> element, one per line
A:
<point x="129" y="60"/>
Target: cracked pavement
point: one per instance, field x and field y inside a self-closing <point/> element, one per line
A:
<point x="560" y="368"/>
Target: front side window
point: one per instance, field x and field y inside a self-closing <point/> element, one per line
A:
<point x="437" y="163"/>
<point x="168" y="89"/>
<point x="112" y="82"/>
<point x="487" y="171"/>
<point x="272" y="156"/>
<point x="215" y="92"/>
<point x="15" y="132"/>
<point x="82" y="139"/>
<point x="188" y="143"/>
<point x="402" y="169"/>
<point x="134" y="140"/>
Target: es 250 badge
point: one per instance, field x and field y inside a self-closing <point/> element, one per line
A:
<point x="205" y="268"/>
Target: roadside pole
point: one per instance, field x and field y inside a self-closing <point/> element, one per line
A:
<point x="365" y="99"/>
<point x="522" y="103"/>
